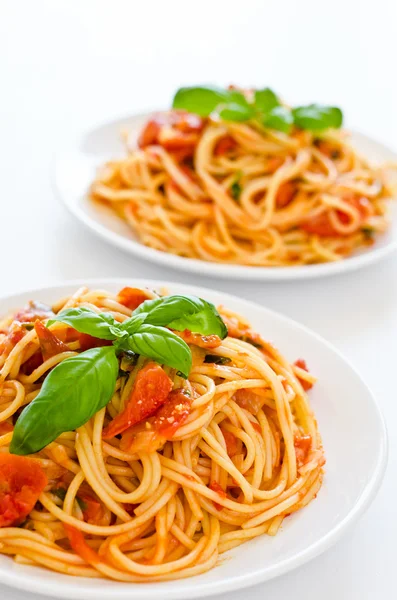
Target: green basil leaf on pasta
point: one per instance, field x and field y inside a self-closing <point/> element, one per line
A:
<point x="71" y="394"/>
<point x="235" y="112"/>
<point x="316" y="117"/>
<point x="199" y="100"/>
<point x="84" y="320"/>
<point x="279" y="118"/>
<point x="265" y="100"/>
<point x="184" y="312"/>
<point x="163" y="346"/>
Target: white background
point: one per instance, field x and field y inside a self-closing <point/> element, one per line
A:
<point x="65" y="65"/>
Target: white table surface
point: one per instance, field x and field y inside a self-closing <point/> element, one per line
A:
<point x="64" y="65"/>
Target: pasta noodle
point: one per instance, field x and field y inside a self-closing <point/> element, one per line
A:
<point x="248" y="455"/>
<point x="241" y="193"/>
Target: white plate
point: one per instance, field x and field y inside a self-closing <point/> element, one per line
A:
<point x="75" y="168"/>
<point x="355" y="445"/>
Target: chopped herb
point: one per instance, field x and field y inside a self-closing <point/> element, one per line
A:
<point x="81" y="503"/>
<point x="180" y="374"/>
<point x="249" y="340"/>
<point x="368" y="232"/>
<point x="235" y="190"/>
<point x="27" y="326"/>
<point x="187" y="393"/>
<point x="217" y="360"/>
<point x="128" y="361"/>
<point x="61" y="493"/>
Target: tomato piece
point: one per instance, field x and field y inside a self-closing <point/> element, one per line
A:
<point x="175" y="130"/>
<point x="173" y="140"/>
<point x="203" y="341"/>
<point x="285" y="194"/>
<point x="50" y="345"/>
<point x="21" y="482"/>
<point x="33" y="311"/>
<point x="215" y="487"/>
<point x="172" y="414"/>
<point x="141" y="439"/>
<point x="151" y="434"/>
<point x="93" y="510"/>
<point x="363" y="205"/>
<point x="230" y="441"/>
<point x="225" y="145"/>
<point x="247" y="399"/>
<point x="14" y="335"/>
<point x="302" y="446"/>
<point x="32" y="363"/>
<point x="302" y="365"/>
<point x="150" y="391"/>
<point x="322" y="225"/>
<point x="187" y="122"/>
<point x="6" y="428"/>
<point x="131" y="297"/>
<point x="80" y="546"/>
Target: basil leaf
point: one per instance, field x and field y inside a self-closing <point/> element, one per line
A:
<point x="84" y="320"/>
<point x="279" y="118"/>
<point x="237" y="97"/>
<point x="71" y="394"/>
<point x="316" y="117"/>
<point x="131" y="325"/>
<point x="199" y="100"/>
<point x="184" y="312"/>
<point x="265" y="100"/>
<point x="235" y="112"/>
<point x="161" y="345"/>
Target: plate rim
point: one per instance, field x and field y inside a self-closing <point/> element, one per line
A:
<point x="204" y="268"/>
<point x="32" y="582"/>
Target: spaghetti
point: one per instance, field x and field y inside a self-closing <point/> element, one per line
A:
<point x="244" y="193"/>
<point x="224" y="456"/>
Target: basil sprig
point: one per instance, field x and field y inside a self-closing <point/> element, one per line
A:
<point x="266" y="108"/>
<point x="80" y="386"/>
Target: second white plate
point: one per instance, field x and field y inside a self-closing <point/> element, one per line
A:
<point x="74" y="171"/>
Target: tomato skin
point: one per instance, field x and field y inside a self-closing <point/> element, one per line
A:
<point x="302" y="446"/>
<point x="5" y="427"/>
<point x="32" y="312"/>
<point x="80" y="546"/>
<point x="21" y="482"/>
<point x="215" y="487"/>
<point x="150" y="391"/>
<point x="225" y="145"/>
<point x="176" y="130"/>
<point x="203" y="341"/>
<point x="302" y="365"/>
<point x="172" y="414"/>
<point x="248" y="400"/>
<point x="131" y="297"/>
<point x="50" y="345"/>
<point x="285" y="194"/>
<point x="14" y="335"/>
<point x="93" y="511"/>
<point x="151" y="434"/>
<point x="322" y="225"/>
<point x="230" y="441"/>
